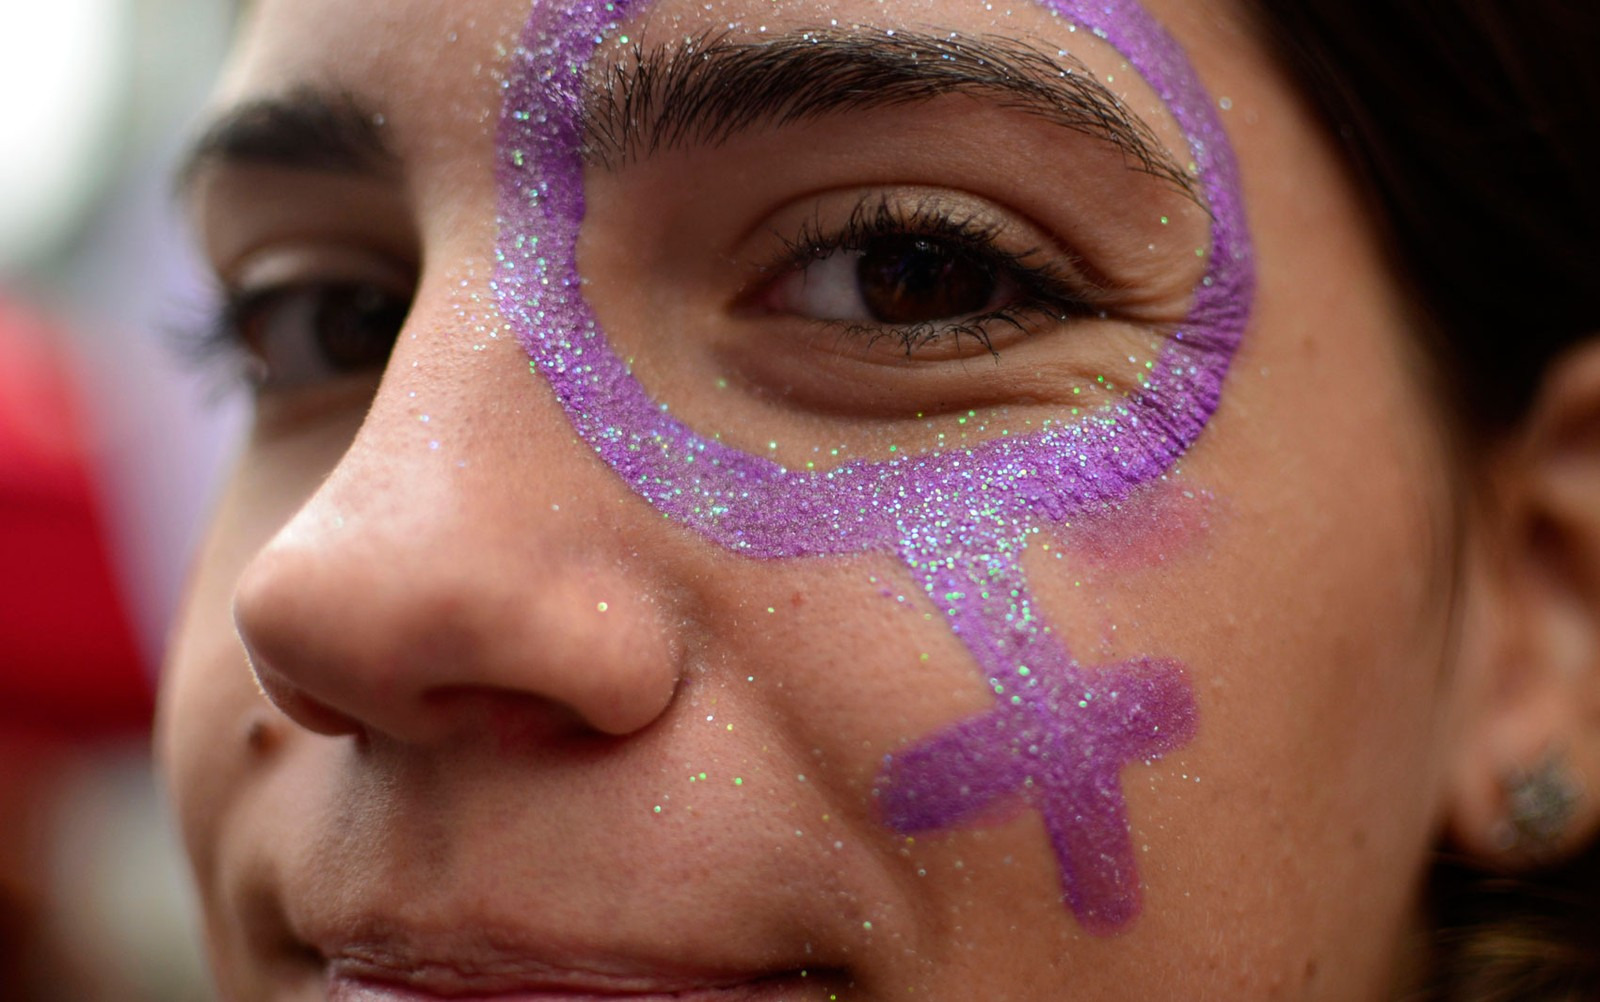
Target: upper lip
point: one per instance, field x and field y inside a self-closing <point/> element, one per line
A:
<point x="482" y="892"/>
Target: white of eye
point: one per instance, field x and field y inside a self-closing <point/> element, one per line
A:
<point x="287" y="340"/>
<point x="828" y="288"/>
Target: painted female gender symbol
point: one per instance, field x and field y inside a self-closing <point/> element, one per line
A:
<point x="1059" y="733"/>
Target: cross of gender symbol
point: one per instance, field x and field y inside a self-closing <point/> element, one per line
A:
<point x="1059" y="733"/>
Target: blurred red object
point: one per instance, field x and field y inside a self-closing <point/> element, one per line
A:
<point x="70" y="666"/>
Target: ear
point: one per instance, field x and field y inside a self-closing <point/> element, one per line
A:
<point x="1531" y="727"/>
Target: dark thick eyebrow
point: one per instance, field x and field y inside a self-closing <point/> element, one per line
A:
<point x="303" y="129"/>
<point x="704" y="90"/>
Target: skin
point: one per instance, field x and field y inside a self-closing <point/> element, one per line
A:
<point x="466" y="765"/>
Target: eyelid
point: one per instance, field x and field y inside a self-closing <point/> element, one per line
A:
<point x="289" y="263"/>
<point x="244" y="213"/>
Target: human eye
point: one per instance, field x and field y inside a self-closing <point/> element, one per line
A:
<point x="296" y="321"/>
<point x="885" y="302"/>
<point x="926" y="275"/>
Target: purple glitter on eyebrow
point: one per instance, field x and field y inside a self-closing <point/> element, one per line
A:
<point x="1059" y="732"/>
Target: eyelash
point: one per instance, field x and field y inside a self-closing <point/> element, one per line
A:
<point x="1049" y="289"/>
<point x="208" y="340"/>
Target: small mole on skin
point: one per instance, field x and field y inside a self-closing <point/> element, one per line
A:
<point x="260" y="736"/>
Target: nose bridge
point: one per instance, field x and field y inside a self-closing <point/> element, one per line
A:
<point x="466" y="555"/>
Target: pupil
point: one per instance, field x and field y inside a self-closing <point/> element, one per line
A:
<point x="910" y="280"/>
<point x="356" y="326"/>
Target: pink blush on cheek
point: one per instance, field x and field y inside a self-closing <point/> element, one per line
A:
<point x="1155" y="524"/>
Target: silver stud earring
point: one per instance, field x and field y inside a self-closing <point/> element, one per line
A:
<point x="1541" y="803"/>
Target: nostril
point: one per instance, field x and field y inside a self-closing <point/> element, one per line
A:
<point x="295" y="703"/>
<point x="511" y="720"/>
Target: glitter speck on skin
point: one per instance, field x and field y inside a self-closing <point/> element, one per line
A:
<point x="959" y="519"/>
<point x="601" y="606"/>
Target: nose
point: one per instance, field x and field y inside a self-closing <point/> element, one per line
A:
<point x="478" y="573"/>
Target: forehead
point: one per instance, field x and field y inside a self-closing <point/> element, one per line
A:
<point x="433" y="70"/>
<point x="424" y="69"/>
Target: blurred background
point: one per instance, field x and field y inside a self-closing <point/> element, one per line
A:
<point x="110" y="450"/>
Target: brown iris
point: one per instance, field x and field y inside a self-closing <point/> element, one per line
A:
<point x="356" y="324"/>
<point x="352" y="324"/>
<point x="910" y="280"/>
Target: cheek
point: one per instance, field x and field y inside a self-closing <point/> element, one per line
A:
<point x="205" y="691"/>
<point x="215" y="731"/>
<point x="207" y="702"/>
<point x="1166" y="520"/>
<point x="1312" y="611"/>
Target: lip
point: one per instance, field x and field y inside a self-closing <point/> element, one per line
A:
<point x="458" y="968"/>
<point x="573" y="987"/>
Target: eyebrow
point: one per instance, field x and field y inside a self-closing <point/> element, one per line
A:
<point x="707" y="89"/>
<point x="305" y="128"/>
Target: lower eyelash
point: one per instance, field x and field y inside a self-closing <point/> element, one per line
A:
<point x="912" y="337"/>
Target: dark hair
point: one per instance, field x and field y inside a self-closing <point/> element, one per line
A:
<point x="1473" y="125"/>
<point x="1474" y="128"/>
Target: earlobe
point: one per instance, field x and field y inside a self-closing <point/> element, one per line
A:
<point x="1526" y="788"/>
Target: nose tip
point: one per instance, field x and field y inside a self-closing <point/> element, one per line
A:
<point x="428" y="635"/>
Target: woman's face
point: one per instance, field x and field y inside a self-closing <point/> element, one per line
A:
<point x="865" y="502"/>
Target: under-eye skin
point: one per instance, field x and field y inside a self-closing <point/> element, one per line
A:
<point x="923" y="274"/>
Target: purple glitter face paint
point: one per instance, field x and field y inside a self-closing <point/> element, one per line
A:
<point x="1059" y="732"/>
